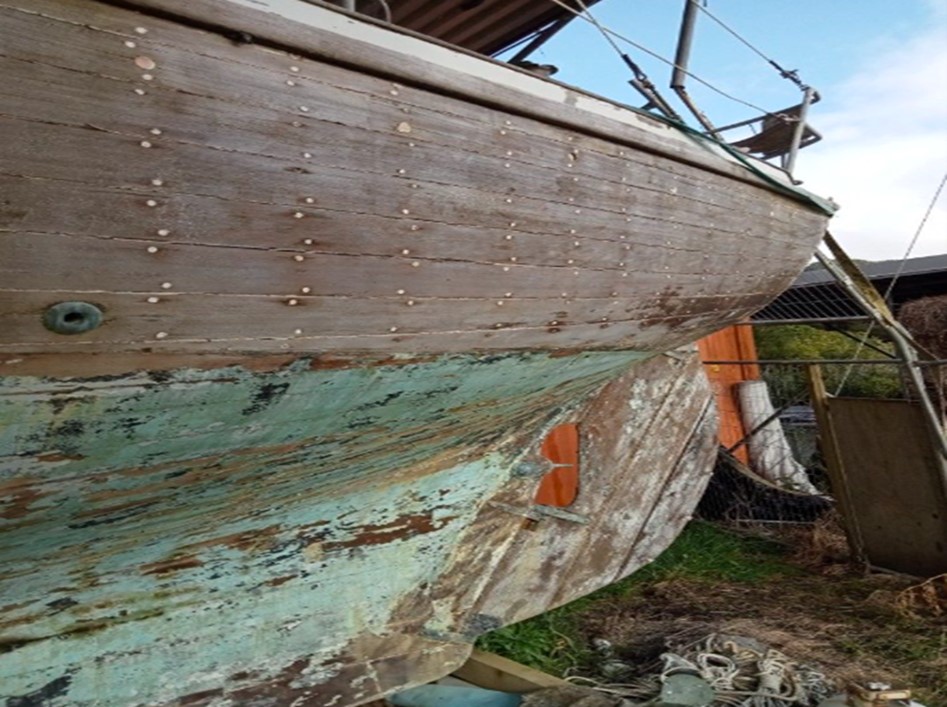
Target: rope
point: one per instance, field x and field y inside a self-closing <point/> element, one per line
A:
<point x="740" y="676"/>
<point x="887" y="293"/>
<point x="917" y="233"/>
<point x="609" y="33"/>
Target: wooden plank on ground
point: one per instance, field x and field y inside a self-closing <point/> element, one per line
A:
<point x="493" y="672"/>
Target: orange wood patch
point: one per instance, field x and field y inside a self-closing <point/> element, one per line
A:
<point x="560" y="486"/>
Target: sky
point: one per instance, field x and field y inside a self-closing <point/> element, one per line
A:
<point x="879" y="65"/>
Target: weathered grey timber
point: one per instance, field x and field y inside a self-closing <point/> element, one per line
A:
<point x="246" y="199"/>
<point x="348" y="279"/>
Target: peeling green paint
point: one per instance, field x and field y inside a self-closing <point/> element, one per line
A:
<point x="154" y="522"/>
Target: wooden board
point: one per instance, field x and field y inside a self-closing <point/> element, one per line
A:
<point x="892" y="482"/>
<point x="494" y="672"/>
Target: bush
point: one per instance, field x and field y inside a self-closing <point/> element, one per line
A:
<point x="800" y="341"/>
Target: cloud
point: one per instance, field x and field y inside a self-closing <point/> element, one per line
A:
<point x="885" y="148"/>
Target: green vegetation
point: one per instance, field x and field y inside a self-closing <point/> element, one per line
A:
<point x="800" y="341"/>
<point x="554" y="641"/>
<point x="707" y="552"/>
<point x="549" y="642"/>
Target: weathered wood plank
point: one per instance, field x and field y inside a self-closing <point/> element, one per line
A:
<point x="647" y="190"/>
<point x="325" y="33"/>
<point x="495" y="672"/>
<point x="142" y="266"/>
<point x="890" y="476"/>
<point x="194" y="322"/>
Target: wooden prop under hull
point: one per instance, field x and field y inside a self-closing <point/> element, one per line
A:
<point x="321" y="534"/>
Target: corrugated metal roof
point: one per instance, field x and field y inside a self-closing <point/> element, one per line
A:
<point x="817" y="294"/>
<point x="880" y="269"/>
<point x="484" y="26"/>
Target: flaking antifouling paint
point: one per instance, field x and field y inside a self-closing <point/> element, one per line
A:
<point x="200" y="490"/>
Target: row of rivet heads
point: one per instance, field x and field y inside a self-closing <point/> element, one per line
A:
<point x="568" y="298"/>
<point x="148" y="66"/>
<point x="598" y="180"/>
<point x="146" y="63"/>
<point x="405" y="127"/>
<point x="509" y="239"/>
<point x="561" y="320"/>
<point x="506" y="266"/>
<point x="395" y="90"/>
<point x="411" y="301"/>
<point x="406" y="252"/>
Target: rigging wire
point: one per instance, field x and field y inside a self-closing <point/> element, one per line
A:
<point x="791" y="75"/>
<point x="887" y="293"/>
<point x="602" y="29"/>
<point x="917" y="233"/>
<point x="609" y="34"/>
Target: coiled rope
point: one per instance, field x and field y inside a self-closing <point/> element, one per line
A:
<point x="740" y="675"/>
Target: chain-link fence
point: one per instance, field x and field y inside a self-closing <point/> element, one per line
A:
<point x="775" y="474"/>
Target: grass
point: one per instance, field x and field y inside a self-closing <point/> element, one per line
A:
<point x="549" y="642"/>
<point x="707" y="552"/>
<point x="711" y="579"/>
<point x="554" y="641"/>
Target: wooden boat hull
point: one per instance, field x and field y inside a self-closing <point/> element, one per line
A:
<point x="347" y="281"/>
<point x="204" y="204"/>
<point x="325" y="533"/>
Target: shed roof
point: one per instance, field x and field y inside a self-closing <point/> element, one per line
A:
<point x="880" y="269"/>
<point x="484" y="26"/>
<point x="816" y="295"/>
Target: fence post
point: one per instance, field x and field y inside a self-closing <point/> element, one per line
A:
<point x="833" y="460"/>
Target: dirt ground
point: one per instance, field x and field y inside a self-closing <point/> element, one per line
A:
<point x="811" y="604"/>
<point x="796" y="591"/>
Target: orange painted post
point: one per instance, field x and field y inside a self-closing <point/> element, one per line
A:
<point x="731" y="344"/>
